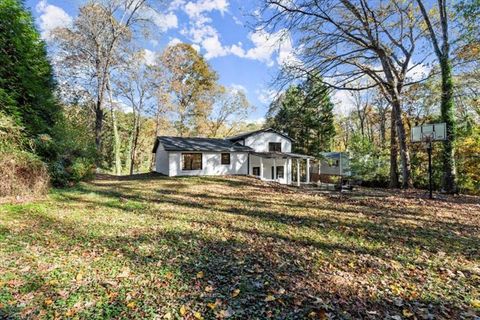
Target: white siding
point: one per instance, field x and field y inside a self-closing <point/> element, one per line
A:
<point x="161" y="160"/>
<point x="267" y="168"/>
<point x="211" y="164"/>
<point x="259" y="142"/>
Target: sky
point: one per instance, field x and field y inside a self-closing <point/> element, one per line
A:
<point x="221" y="30"/>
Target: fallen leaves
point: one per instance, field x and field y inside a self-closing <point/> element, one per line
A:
<point x="232" y="247"/>
<point x="269" y="298"/>
<point x="235" y="293"/>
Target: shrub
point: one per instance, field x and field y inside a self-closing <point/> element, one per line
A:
<point x="22" y="174"/>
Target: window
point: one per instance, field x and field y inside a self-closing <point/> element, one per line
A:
<point x="256" y="171"/>
<point x="225" y="158"/>
<point x="275" y="146"/>
<point x="192" y="161"/>
<point x="280" y="172"/>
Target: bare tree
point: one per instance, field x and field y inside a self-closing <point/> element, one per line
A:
<point x="134" y="87"/>
<point x="346" y="40"/>
<point x="230" y="107"/>
<point x="89" y="47"/>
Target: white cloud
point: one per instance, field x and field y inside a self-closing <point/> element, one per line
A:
<point x="196" y="9"/>
<point x="196" y="47"/>
<point x="149" y="57"/>
<point x="265" y="45"/>
<point x="238" y="87"/>
<point x="418" y="72"/>
<point x="266" y="96"/>
<point x="343" y="101"/>
<point x="174" y="41"/>
<point x="51" y="17"/>
<point x="164" y="21"/>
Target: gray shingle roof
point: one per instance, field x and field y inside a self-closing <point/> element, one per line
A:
<point x="244" y="135"/>
<point x="198" y="144"/>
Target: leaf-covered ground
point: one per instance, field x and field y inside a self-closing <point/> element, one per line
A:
<point x="237" y="248"/>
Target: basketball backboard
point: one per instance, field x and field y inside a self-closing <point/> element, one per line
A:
<point x="434" y="131"/>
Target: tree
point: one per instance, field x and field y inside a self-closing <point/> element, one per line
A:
<point x="89" y="48"/>
<point x="189" y="83"/>
<point x="305" y="113"/>
<point x="133" y="85"/>
<point x="26" y="79"/>
<point x="441" y="46"/>
<point x="346" y="40"/>
<point x="230" y="107"/>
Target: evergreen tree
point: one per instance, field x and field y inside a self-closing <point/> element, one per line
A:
<point x="26" y="80"/>
<point x="305" y="113"/>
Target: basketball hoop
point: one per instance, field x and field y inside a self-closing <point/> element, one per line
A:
<point x="427" y="134"/>
<point x="427" y="138"/>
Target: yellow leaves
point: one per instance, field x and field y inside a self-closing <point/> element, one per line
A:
<point x="198" y="315"/>
<point x="407" y="313"/>
<point x="79" y="276"/>
<point x="269" y="298"/>
<point x="208" y="289"/>
<point x="70" y="312"/>
<point x="183" y="310"/>
<point x="131" y="305"/>
<point x="475" y="303"/>
<point x="48" y="301"/>
<point x="226" y="313"/>
<point x="214" y="305"/>
<point x="235" y="293"/>
<point x="169" y="275"/>
<point x="200" y="275"/>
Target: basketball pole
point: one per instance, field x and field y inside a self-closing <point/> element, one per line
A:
<point x="430" y="186"/>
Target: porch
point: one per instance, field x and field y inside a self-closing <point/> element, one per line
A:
<point x="281" y="167"/>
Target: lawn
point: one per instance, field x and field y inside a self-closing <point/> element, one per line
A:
<point x="237" y="248"/>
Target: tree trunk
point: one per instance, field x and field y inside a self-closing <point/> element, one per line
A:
<point x="98" y="131"/>
<point x="116" y="136"/>
<point x="394" y="183"/>
<point x="136" y="132"/>
<point x="448" y="116"/>
<point x="402" y="142"/>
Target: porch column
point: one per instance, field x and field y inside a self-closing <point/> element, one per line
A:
<point x="274" y="178"/>
<point x="261" y="168"/>
<point x="298" y="172"/>
<point x="308" y="171"/>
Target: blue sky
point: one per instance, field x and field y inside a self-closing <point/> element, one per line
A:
<point x="219" y="29"/>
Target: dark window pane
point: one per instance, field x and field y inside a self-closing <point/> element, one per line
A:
<point x="191" y="161"/>
<point x="225" y="158"/>
<point x="280" y="172"/>
<point x="256" y="171"/>
<point x="275" y="147"/>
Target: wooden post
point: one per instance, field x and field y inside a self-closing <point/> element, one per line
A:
<point x="298" y="172"/>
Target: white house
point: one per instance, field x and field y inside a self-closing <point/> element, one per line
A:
<point x="264" y="153"/>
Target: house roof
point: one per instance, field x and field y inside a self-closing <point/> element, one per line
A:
<point x="275" y="154"/>
<point x="198" y="144"/>
<point x="242" y="136"/>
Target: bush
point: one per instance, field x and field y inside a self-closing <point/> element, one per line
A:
<point x="22" y="174"/>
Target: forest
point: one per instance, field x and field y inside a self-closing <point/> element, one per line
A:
<point x="92" y="100"/>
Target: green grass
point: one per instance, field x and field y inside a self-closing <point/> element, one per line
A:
<point x="192" y="248"/>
